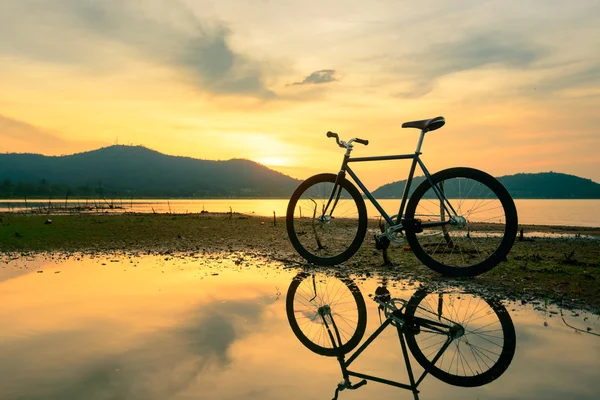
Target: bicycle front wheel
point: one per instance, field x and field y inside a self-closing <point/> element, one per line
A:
<point x="481" y="337"/>
<point x="474" y="235"/>
<point x="326" y="236"/>
<point x="327" y="314"/>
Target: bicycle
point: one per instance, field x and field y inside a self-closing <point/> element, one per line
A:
<point x="459" y="221"/>
<point x="461" y="339"/>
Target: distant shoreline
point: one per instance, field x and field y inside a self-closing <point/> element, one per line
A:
<point x="124" y="199"/>
<point x="556" y="212"/>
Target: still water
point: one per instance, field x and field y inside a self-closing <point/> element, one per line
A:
<point x="217" y="327"/>
<point x="538" y="212"/>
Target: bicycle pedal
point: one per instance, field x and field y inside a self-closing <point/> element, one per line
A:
<point x="381" y="243"/>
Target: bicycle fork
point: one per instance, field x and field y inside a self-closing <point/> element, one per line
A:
<point x="336" y="192"/>
<point x="334" y="197"/>
<point x="345" y="384"/>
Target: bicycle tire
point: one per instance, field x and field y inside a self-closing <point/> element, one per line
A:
<point x="342" y="235"/>
<point x="474" y="339"/>
<point x="351" y="313"/>
<point x="490" y="223"/>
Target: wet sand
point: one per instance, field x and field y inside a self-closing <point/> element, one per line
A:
<point x="564" y="268"/>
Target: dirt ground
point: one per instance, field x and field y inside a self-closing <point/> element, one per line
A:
<point x="563" y="267"/>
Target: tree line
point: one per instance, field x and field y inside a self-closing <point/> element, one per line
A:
<point x="45" y="189"/>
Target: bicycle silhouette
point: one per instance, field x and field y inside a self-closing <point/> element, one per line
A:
<point x="458" y="221"/>
<point x="461" y="339"/>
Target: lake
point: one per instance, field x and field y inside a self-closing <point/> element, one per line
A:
<point x="218" y="326"/>
<point x="538" y="212"/>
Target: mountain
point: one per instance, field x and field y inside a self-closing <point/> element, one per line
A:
<point x="544" y="185"/>
<point x="550" y="185"/>
<point x="132" y="171"/>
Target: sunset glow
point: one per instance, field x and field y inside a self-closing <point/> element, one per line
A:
<point x="517" y="82"/>
<point x="273" y="161"/>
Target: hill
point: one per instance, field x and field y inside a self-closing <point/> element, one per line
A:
<point x="136" y="171"/>
<point x="544" y="185"/>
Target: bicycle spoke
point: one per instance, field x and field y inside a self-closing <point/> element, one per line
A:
<point x="475" y="235"/>
<point x="478" y="338"/>
<point x="324" y="307"/>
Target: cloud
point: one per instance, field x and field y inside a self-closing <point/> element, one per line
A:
<point x="569" y="77"/>
<point x="98" y="35"/>
<point x="12" y="129"/>
<point x="318" y="77"/>
<point x="471" y="52"/>
<point x="480" y="50"/>
<point x="22" y="137"/>
<point x="159" y="366"/>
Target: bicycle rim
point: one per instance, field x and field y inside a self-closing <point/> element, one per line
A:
<point x="485" y="342"/>
<point x="322" y="234"/>
<point x="477" y="237"/>
<point x="327" y="314"/>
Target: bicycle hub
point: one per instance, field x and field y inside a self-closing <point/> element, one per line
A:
<point x="459" y="221"/>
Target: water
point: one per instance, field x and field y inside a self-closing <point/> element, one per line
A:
<point x="216" y="327"/>
<point x="537" y="212"/>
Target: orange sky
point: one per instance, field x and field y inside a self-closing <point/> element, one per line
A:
<point x="518" y="82"/>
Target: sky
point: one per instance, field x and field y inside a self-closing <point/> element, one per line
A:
<point x="517" y="81"/>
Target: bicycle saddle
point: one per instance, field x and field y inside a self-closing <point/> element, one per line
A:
<point x="426" y="124"/>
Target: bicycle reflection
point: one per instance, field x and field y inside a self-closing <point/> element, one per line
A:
<point x="461" y="339"/>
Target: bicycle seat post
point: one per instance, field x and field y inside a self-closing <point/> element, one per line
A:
<point x="421" y="137"/>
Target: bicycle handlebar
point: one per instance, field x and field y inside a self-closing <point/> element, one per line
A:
<point x="334" y="135"/>
<point x="359" y="384"/>
<point x="343" y="144"/>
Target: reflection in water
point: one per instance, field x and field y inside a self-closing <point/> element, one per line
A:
<point x="189" y="327"/>
<point x="118" y="330"/>
<point x="162" y="365"/>
<point x="461" y="339"/>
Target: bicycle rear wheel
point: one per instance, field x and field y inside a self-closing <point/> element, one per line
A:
<point x="326" y="237"/>
<point x="483" y="343"/>
<point x="327" y="314"/>
<point x="474" y="240"/>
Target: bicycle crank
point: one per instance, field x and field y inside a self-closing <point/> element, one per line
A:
<point x="394" y="233"/>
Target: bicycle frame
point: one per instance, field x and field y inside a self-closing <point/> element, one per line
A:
<point x="416" y="160"/>
<point x="402" y="327"/>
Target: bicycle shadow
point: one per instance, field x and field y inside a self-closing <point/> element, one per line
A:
<point x="460" y="338"/>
